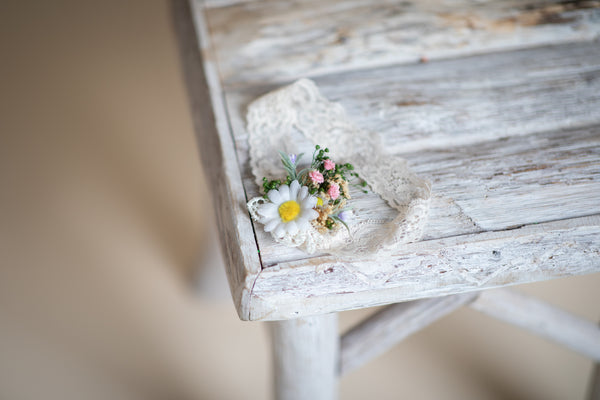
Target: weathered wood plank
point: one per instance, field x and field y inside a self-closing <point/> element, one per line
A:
<point x="521" y="180"/>
<point x="218" y="155"/>
<point x="485" y="146"/>
<point x="387" y="327"/>
<point x="542" y="319"/>
<point x="430" y="268"/>
<point x="273" y="41"/>
<point x="462" y="101"/>
<point x="492" y="186"/>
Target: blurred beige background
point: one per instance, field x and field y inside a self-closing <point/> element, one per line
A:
<point x="105" y="222"/>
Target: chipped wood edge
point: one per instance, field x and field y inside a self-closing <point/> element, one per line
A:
<point x="541" y="318"/>
<point x="217" y="152"/>
<point x="453" y="265"/>
<point x="384" y="329"/>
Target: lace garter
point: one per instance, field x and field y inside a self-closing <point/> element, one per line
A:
<point x="295" y="118"/>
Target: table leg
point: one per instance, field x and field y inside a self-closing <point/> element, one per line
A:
<point x="305" y="358"/>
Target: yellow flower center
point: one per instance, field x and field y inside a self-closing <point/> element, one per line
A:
<point x="289" y="210"/>
<point x="319" y="201"/>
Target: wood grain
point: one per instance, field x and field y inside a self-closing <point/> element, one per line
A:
<point x="507" y="183"/>
<point x="508" y="131"/>
<point x="271" y="41"/>
<point x="218" y="156"/>
<point x="507" y="139"/>
<point x="431" y="268"/>
<point x="493" y="185"/>
<point x="461" y="101"/>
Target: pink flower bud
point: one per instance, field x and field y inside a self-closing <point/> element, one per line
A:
<point x="328" y="164"/>
<point x="333" y="191"/>
<point x="316" y="177"/>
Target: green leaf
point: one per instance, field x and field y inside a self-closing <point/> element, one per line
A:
<point x="302" y="174"/>
<point x="285" y="159"/>
<point x="337" y="219"/>
<point x="288" y="165"/>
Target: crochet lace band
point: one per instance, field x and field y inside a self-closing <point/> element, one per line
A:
<point x="293" y="119"/>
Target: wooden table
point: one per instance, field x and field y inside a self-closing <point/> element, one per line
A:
<point x="496" y="102"/>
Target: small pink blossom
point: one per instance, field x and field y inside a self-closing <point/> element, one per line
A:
<point x="316" y="177"/>
<point x="328" y="164"/>
<point x="333" y="191"/>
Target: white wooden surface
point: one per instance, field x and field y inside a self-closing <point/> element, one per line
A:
<point x="510" y="139"/>
<point x="384" y="329"/>
<point x="275" y="41"/>
<point x="217" y="154"/>
<point x="542" y="319"/>
<point x="519" y="145"/>
<point x="429" y="268"/>
<point x="305" y="358"/>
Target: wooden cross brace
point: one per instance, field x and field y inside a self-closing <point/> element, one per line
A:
<point x="309" y="355"/>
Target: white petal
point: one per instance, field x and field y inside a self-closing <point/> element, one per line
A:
<point x="302" y="224"/>
<point x="266" y="220"/>
<point x="291" y="227"/>
<point x="310" y="214"/>
<point x="284" y="192"/>
<point x="309" y="202"/>
<point x="294" y="188"/>
<point x="274" y="196"/>
<point x="279" y="231"/>
<point x="268" y="210"/>
<point x="269" y="226"/>
<point x="303" y="193"/>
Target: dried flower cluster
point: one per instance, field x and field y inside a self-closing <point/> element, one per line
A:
<point x="324" y="181"/>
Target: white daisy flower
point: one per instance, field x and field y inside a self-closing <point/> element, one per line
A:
<point x="289" y="212"/>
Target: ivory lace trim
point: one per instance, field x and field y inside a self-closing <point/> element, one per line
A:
<point x="295" y="118"/>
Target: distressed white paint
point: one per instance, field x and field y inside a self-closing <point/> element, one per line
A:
<point x="509" y="139"/>
<point x="542" y="319"/>
<point x="305" y="358"/>
<point x="493" y="185"/>
<point x="431" y="268"/>
<point x="217" y="153"/>
<point x="384" y="329"/>
<point x="267" y="41"/>
<point x="461" y="101"/>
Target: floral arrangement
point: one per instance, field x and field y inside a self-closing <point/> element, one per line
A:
<point x="314" y="196"/>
